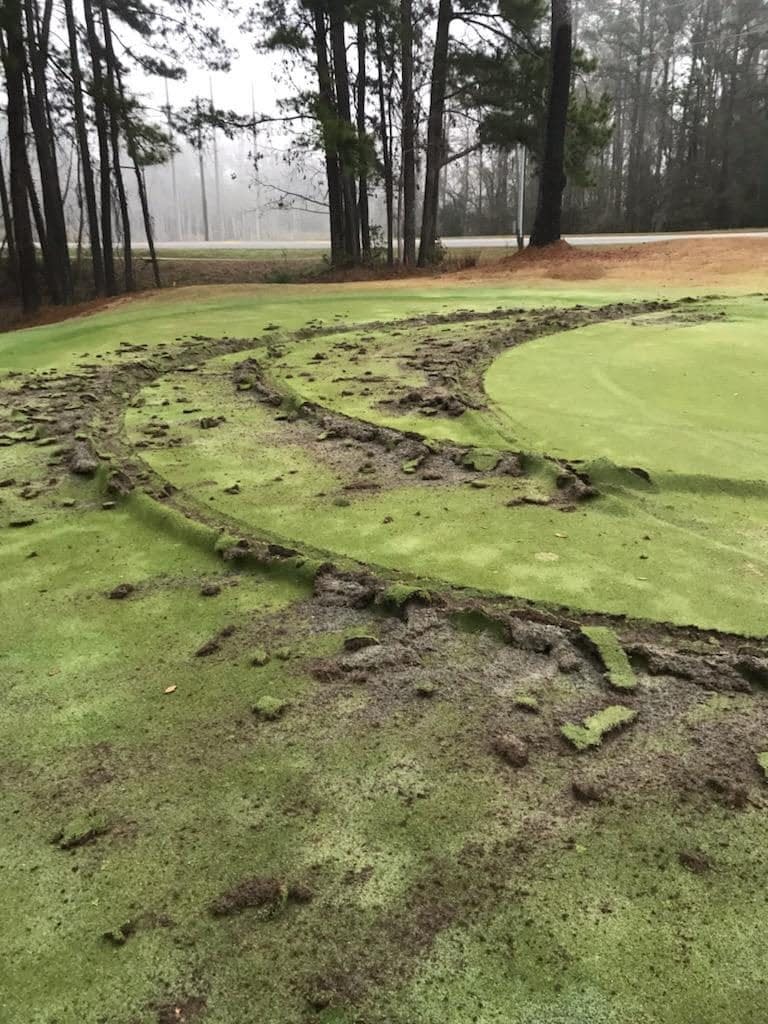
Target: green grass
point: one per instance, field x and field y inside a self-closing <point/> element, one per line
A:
<point x="675" y="399"/>
<point x="592" y="730"/>
<point x="612" y="655"/>
<point x="246" y="253"/>
<point x="639" y="550"/>
<point x="244" y="311"/>
<point x="611" y="930"/>
<point x="443" y="890"/>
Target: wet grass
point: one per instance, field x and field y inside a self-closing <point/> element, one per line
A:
<point x="418" y="877"/>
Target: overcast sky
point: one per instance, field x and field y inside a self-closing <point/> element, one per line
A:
<point x="251" y="70"/>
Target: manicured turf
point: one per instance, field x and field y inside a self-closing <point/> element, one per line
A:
<point x="685" y="548"/>
<point x="420" y="878"/>
<point x="675" y="398"/>
<point x="245" y="310"/>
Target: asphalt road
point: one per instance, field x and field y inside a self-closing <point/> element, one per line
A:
<point x="479" y="242"/>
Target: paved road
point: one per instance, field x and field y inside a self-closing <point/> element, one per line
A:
<point x="489" y="242"/>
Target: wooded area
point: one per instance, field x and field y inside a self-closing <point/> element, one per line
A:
<point x="651" y="114"/>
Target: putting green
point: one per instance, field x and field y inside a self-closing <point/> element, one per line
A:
<point x="674" y="398"/>
<point x="688" y="550"/>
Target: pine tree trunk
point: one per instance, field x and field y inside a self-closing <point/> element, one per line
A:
<point x="386" y="142"/>
<point x="81" y="131"/>
<point x="14" y="61"/>
<point x="408" y="156"/>
<point x="363" y="212"/>
<point x="341" y="77"/>
<point x="58" y="270"/>
<point x="100" y="116"/>
<point x="435" y="140"/>
<point x="141" y="184"/>
<point x="547" y="226"/>
<point x="113" y="107"/>
<point x="7" y="220"/>
<point x="327" y="116"/>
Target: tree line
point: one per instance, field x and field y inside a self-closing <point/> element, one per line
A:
<point x="653" y="112"/>
<point x="73" y="126"/>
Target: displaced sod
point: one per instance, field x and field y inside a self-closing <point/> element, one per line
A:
<point x="592" y="730"/>
<point x="638" y="550"/>
<point x="617" y="666"/>
<point x="326" y="834"/>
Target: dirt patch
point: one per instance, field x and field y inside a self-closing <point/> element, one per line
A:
<point x="184" y="1010"/>
<point x="709" y="261"/>
<point x="264" y="893"/>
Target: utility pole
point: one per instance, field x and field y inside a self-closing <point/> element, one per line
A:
<point x="201" y="163"/>
<point x="176" y="210"/>
<point x="255" y="156"/>
<point x="216" y="175"/>
<point x="521" y="160"/>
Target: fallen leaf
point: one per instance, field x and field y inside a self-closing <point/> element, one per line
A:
<point x="169" y="689"/>
<point x="563" y="535"/>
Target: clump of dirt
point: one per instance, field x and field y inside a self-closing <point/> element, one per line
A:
<point x="587" y="792"/>
<point x="83" y="461"/>
<point x="258" y="892"/>
<point x="80" y="834"/>
<point x="695" y="861"/>
<point x="511" y="749"/>
<point x="121" y="591"/>
<point x="214" y="644"/>
<point x="344" y="589"/>
<point x="261" y="893"/>
<point x="181" y="1011"/>
<point x="728" y="671"/>
<point x="119" y="483"/>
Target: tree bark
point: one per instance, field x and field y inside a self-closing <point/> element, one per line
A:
<point x="58" y="268"/>
<point x="141" y="184"/>
<point x="435" y="136"/>
<point x="547" y="226"/>
<point x="113" y="105"/>
<point x="7" y="219"/>
<point x="14" y="62"/>
<point x="341" y="76"/>
<point x="408" y="155"/>
<point x="100" y="116"/>
<point x="363" y="212"/>
<point x="386" y="142"/>
<point x="86" y="166"/>
<point x="201" y="166"/>
<point x="327" y="118"/>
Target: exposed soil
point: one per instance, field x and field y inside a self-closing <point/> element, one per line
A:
<point x="253" y="892"/>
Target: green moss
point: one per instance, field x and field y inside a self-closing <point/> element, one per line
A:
<point x="85" y="828"/>
<point x="592" y="730"/>
<point x="270" y="708"/>
<point x="259" y="657"/>
<point x="526" y="702"/>
<point x="482" y="459"/>
<point x="398" y="594"/>
<point x="612" y="654"/>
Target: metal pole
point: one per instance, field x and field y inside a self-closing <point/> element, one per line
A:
<point x="255" y="155"/>
<point x="522" y="159"/>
